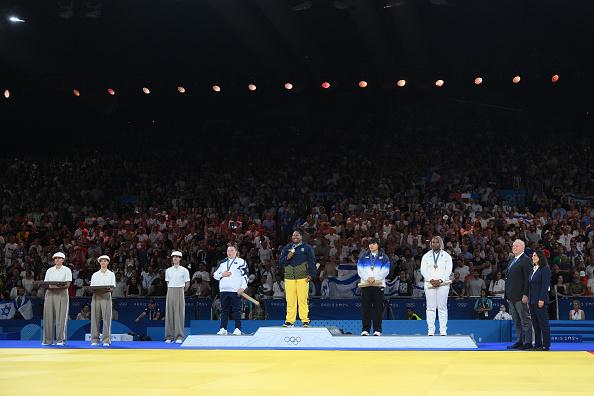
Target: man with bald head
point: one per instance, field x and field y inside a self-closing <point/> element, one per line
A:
<point x="436" y="268"/>
<point x="517" y="279"/>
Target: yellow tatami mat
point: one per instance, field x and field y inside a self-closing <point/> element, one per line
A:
<point x="304" y="373"/>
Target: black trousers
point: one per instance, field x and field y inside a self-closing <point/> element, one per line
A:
<point x="372" y="304"/>
<point x="540" y="322"/>
<point x="230" y="300"/>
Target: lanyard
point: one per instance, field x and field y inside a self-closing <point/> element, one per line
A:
<point x="435" y="258"/>
<point x="229" y="265"/>
<point x="373" y="259"/>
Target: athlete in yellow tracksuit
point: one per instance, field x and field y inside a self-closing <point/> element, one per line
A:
<point x="299" y="261"/>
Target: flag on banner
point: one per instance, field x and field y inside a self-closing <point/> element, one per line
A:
<point x="523" y="218"/>
<point x="432" y="177"/>
<point x="344" y="285"/>
<point x="26" y="308"/>
<point x="578" y="199"/>
<point x="470" y="196"/>
<point x="391" y="288"/>
<point x="435" y="177"/>
<point x="7" y="310"/>
<point x="325" y="289"/>
<point x="467" y="195"/>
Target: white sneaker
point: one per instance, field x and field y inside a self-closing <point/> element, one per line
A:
<point x="364" y="333"/>
<point x="168" y="341"/>
<point x="222" y="332"/>
<point x="61" y="343"/>
<point x="94" y="343"/>
<point x="45" y="344"/>
<point x="430" y="334"/>
<point x="106" y="344"/>
<point x="179" y="341"/>
<point x="377" y="333"/>
<point x="236" y="331"/>
<point x="443" y="334"/>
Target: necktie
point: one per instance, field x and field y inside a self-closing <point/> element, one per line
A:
<point x="19" y="300"/>
<point x="512" y="263"/>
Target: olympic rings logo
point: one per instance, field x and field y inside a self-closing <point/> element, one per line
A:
<point x="293" y="340"/>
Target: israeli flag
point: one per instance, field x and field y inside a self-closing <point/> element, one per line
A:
<point x="26" y="308"/>
<point x="325" y="289"/>
<point x="345" y="284"/>
<point x="391" y="289"/>
<point x="7" y="310"/>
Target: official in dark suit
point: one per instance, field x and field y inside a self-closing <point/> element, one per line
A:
<point x="540" y="283"/>
<point x="517" y="279"/>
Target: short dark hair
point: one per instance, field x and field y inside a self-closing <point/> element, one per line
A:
<point x="374" y="240"/>
<point x="298" y="231"/>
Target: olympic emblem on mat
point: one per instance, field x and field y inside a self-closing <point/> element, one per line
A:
<point x="293" y="340"/>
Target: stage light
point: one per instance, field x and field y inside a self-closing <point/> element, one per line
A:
<point x="516" y="79"/>
<point x="15" y="19"/>
<point x="181" y="89"/>
<point x="555" y="78"/>
<point x="401" y="83"/>
<point x="146" y="90"/>
<point x="252" y="87"/>
<point x="325" y="85"/>
<point x="110" y="91"/>
<point x="288" y="86"/>
<point x="362" y="84"/>
<point x="75" y="92"/>
<point x="6" y="93"/>
<point x="439" y="83"/>
<point x="478" y="81"/>
<point x="216" y="88"/>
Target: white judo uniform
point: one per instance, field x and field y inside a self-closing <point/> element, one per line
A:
<point x="437" y="265"/>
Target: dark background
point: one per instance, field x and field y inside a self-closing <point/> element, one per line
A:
<point x="195" y="43"/>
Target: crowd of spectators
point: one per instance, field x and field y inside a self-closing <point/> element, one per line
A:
<point x="478" y="191"/>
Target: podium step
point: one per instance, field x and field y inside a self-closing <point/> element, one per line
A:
<point x="320" y="338"/>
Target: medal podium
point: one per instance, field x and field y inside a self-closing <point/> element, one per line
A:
<point x="320" y="338"/>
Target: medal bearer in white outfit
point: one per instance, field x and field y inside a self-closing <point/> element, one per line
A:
<point x="178" y="280"/>
<point x="55" y="305"/>
<point x="436" y="268"/>
<point x="101" y="307"/>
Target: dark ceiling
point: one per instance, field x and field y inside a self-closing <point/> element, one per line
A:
<point x="129" y="44"/>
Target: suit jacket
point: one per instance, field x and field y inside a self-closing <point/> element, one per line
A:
<point x="517" y="278"/>
<point x="539" y="285"/>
